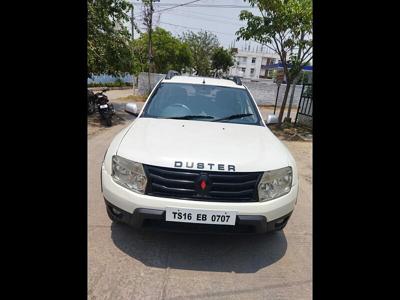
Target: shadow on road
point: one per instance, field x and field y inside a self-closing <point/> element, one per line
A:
<point x="200" y="252"/>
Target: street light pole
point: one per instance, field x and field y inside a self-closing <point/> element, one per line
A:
<point x="132" y="22"/>
<point x="150" y="58"/>
<point x="133" y="35"/>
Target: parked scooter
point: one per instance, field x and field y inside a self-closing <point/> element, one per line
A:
<point x="104" y="107"/>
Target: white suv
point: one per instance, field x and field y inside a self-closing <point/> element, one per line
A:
<point x="199" y="157"/>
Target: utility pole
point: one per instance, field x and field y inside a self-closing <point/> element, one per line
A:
<point x="133" y="35"/>
<point x="148" y="11"/>
<point x="132" y="23"/>
<point x="150" y="58"/>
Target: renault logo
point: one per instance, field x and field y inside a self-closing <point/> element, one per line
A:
<point x="202" y="184"/>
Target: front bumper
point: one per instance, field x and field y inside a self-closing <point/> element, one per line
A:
<point x="144" y="218"/>
<point x="148" y="211"/>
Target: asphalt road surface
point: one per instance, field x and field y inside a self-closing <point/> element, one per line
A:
<point x="124" y="263"/>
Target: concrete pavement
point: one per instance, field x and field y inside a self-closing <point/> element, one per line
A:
<point x="127" y="264"/>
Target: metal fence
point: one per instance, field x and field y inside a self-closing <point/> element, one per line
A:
<point x="304" y="114"/>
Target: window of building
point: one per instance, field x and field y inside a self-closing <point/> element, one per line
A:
<point x="243" y="69"/>
<point x="253" y="60"/>
<point x="244" y="60"/>
<point x="252" y="71"/>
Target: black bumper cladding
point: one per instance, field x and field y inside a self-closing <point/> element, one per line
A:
<point x="144" y="218"/>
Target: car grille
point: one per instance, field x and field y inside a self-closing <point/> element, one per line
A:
<point x="221" y="186"/>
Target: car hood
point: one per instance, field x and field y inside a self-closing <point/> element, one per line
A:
<point x="162" y="142"/>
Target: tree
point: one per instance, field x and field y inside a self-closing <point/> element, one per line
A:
<point x="202" y="46"/>
<point x="169" y="53"/>
<point x="221" y="59"/>
<point x="108" y="38"/>
<point x="285" y="26"/>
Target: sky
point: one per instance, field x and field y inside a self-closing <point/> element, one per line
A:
<point x="223" y="22"/>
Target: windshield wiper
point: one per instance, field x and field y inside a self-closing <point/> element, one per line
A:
<point x="191" y="117"/>
<point x="237" y="116"/>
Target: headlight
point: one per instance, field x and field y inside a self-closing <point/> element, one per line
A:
<point x="275" y="183"/>
<point x="128" y="174"/>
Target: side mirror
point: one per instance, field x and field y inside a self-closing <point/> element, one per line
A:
<point x="132" y="108"/>
<point x="271" y="119"/>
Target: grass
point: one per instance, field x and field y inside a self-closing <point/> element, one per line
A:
<point x="290" y="132"/>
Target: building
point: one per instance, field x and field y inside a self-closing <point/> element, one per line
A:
<point x="252" y="65"/>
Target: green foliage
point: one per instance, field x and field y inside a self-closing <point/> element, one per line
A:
<point x="108" y="39"/>
<point x="305" y="77"/>
<point x="169" y="53"/>
<point x="202" y="46"/>
<point x="308" y="91"/>
<point x="221" y="59"/>
<point x="285" y="26"/>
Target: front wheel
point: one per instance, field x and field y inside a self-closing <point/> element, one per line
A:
<point x="109" y="121"/>
<point x="92" y="108"/>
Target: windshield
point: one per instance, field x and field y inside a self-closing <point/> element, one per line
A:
<point x="202" y="103"/>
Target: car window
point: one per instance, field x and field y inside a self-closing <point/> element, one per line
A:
<point x="174" y="100"/>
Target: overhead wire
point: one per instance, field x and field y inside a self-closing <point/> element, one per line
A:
<point x="190" y="4"/>
<point x="189" y="27"/>
<point x="190" y="15"/>
<point x="183" y="4"/>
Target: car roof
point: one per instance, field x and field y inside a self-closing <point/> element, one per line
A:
<point x="206" y="80"/>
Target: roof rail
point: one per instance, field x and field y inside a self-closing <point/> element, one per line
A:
<point x="171" y="73"/>
<point x="235" y="79"/>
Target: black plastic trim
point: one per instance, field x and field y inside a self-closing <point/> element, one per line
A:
<point x="145" y="218"/>
<point x="182" y="184"/>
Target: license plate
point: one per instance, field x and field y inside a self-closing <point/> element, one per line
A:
<point x="200" y="216"/>
<point x="104" y="106"/>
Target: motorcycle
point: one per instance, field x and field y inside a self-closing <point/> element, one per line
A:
<point x="104" y="107"/>
<point x="91" y="102"/>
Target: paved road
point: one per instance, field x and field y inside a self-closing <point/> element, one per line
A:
<point x="126" y="264"/>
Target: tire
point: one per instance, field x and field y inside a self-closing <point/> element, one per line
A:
<point x="111" y="107"/>
<point x="92" y="108"/>
<point x="91" y="102"/>
<point x="109" y="121"/>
